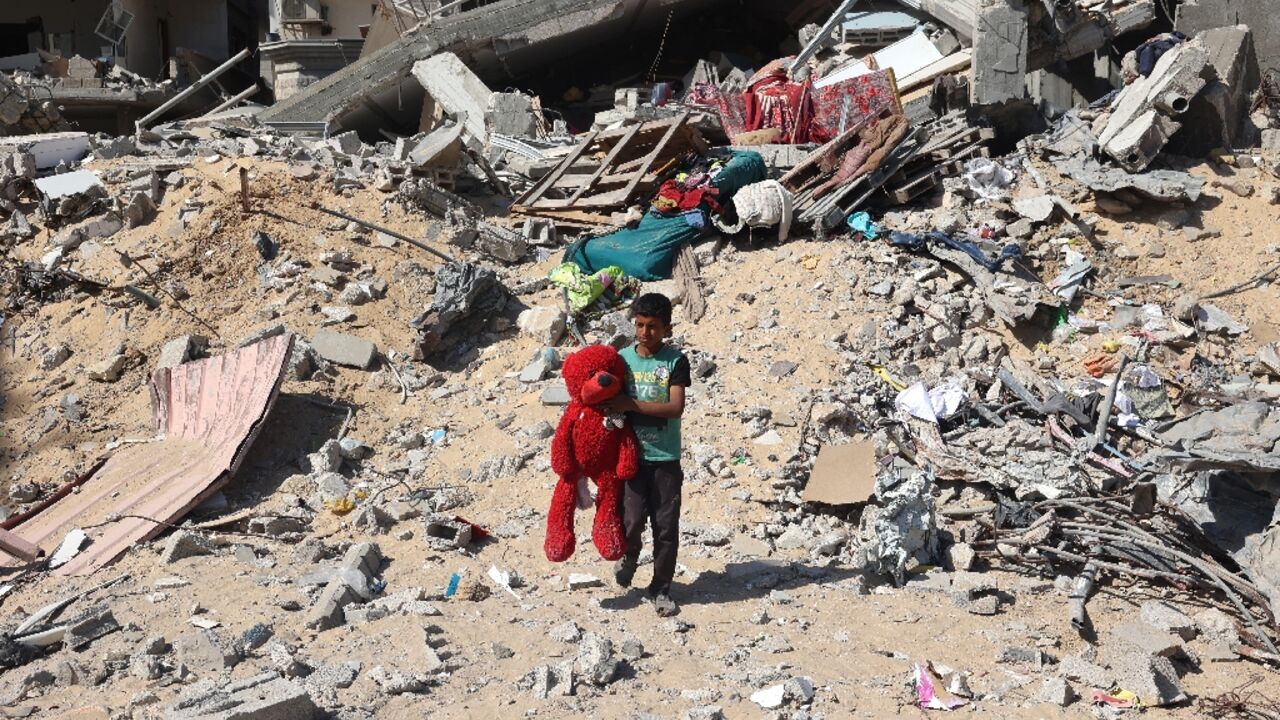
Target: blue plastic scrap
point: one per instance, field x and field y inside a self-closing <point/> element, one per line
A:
<point x="860" y="222"/>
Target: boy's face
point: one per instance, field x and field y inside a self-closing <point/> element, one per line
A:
<point x="651" y="332"/>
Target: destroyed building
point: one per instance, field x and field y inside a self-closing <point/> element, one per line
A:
<point x="977" y="297"/>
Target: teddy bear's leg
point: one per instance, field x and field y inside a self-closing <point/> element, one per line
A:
<point x="606" y="531"/>
<point x="560" y="541"/>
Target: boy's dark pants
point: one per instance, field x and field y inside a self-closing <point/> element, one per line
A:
<point x="653" y="495"/>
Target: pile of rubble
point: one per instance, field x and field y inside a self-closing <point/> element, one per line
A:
<point x="296" y="384"/>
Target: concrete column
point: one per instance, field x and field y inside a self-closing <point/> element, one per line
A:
<point x="999" y="52"/>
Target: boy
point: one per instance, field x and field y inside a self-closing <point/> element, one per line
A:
<point x="657" y="375"/>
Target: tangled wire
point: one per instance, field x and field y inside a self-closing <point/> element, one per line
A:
<point x="1240" y="704"/>
<point x="1268" y="95"/>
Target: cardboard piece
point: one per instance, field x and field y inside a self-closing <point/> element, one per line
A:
<point x="843" y="474"/>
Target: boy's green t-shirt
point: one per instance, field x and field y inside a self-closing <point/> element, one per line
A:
<point x="649" y="379"/>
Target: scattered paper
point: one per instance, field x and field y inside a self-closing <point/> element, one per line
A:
<point x="932" y="405"/>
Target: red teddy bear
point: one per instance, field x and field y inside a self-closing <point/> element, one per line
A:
<point x="589" y="443"/>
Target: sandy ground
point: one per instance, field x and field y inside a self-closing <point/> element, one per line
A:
<point x="857" y="648"/>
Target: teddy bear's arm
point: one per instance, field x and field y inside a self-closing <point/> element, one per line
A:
<point x="628" y="455"/>
<point x="563" y="462"/>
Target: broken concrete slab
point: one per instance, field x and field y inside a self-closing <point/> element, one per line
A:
<point x="344" y="349"/>
<point x="261" y="697"/>
<point x="1167" y="185"/>
<point x="1197" y="16"/>
<point x="49" y="149"/>
<point x="1146" y="113"/>
<point x="1152" y="678"/>
<point x="1219" y="115"/>
<point x="89" y="626"/>
<point x="458" y="90"/>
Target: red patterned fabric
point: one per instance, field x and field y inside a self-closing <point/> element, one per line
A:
<point x="799" y="111"/>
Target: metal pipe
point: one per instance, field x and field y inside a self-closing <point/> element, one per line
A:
<point x="379" y="228"/>
<point x="191" y="89"/>
<point x="235" y="99"/>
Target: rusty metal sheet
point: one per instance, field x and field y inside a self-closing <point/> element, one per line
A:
<point x="206" y="415"/>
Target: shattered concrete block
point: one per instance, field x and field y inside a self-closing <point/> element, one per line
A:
<point x="332" y="486"/>
<point x="1146" y="112"/>
<point x="1167" y="618"/>
<point x="394" y="682"/>
<point x="90" y="626"/>
<point x="347" y="143"/>
<point x="555" y="394"/>
<point x="180" y="350"/>
<point x="182" y="544"/>
<point x="139" y="211"/>
<point x="1056" y="691"/>
<point x="108" y="370"/>
<point x="327" y="612"/>
<point x="596" y="661"/>
<point x="262" y="697"/>
<point x="999" y="52"/>
<point x="344" y="349"/>
<point x="204" y="650"/>
<point x="365" y="558"/>
<point x="444" y="533"/>
<point x="547" y="681"/>
<point x="458" y="90"/>
<point x="54" y="357"/>
<point x="512" y="113"/>
<point x="371" y="519"/>
<point x="1153" y="679"/>
<point x="327" y="459"/>
<point x="546" y="324"/>
<point x="500" y="243"/>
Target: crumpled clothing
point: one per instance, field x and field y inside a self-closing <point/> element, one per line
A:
<point x="673" y="199"/>
<point x="584" y="289"/>
<point x="766" y="204"/>
<point x="1144" y="59"/>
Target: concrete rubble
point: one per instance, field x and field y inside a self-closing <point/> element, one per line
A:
<point x="1022" y="275"/>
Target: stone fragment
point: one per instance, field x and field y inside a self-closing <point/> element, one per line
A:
<point x="182" y="544"/>
<point x="108" y="370"/>
<point x="582" y="581"/>
<point x="545" y="324"/>
<point x="180" y="350"/>
<point x="596" y="661"/>
<point x="204" y="651"/>
<point x="54" y="357"/>
<point x="344" y="349"/>
<point x="1056" y="691"/>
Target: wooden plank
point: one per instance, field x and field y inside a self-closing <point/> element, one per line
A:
<point x="652" y="156"/>
<point x="606" y="163"/>
<point x="17" y="547"/>
<point x="547" y="182"/>
<point x="689" y="278"/>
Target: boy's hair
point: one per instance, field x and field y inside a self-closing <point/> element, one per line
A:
<point x="653" y="305"/>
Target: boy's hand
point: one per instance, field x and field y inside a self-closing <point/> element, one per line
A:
<point x="620" y="403"/>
